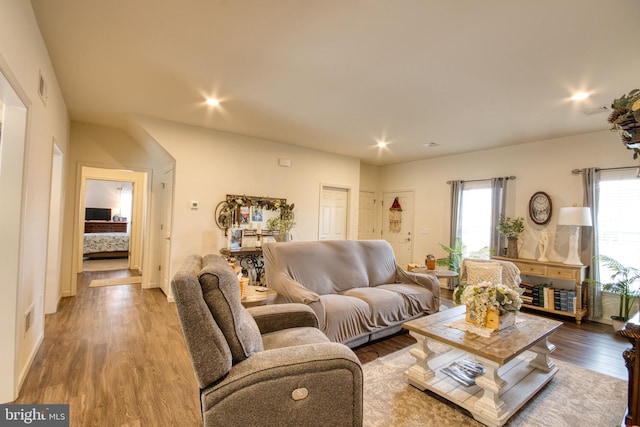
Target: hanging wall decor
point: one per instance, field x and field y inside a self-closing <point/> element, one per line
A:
<point x="395" y="216"/>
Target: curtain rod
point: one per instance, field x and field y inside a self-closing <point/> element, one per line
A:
<point x="478" y="180"/>
<point x="579" y="171"/>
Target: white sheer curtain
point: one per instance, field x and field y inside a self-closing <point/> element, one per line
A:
<point x="126" y="200"/>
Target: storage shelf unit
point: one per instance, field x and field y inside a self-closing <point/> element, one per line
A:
<point x="556" y="270"/>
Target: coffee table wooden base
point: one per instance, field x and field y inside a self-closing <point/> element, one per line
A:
<point x="498" y="394"/>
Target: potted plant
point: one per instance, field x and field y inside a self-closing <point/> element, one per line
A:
<point x="283" y="224"/>
<point x="457" y="252"/>
<point x="623" y="283"/>
<point x="511" y="228"/>
<point x="625" y="119"/>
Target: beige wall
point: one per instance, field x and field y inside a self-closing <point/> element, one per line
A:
<point x="211" y="164"/>
<point x="538" y="166"/>
<point x="23" y="56"/>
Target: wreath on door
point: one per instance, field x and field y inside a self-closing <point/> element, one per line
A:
<point x="395" y="216"/>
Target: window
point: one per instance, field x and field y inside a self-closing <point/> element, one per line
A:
<point x="618" y="224"/>
<point x="475" y="215"/>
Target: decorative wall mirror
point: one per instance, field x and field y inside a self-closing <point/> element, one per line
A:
<point x="249" y="211"/>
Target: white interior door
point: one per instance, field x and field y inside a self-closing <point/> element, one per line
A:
<point x="165" y="230"/>
<point x="366" y="216"/>
<point x="401" y="239"/>
<point x="334" y="207"/>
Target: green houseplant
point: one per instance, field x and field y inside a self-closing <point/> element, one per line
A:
<point x="457" y="252"/>
<point x="511" y="228"/>
<point x="623" y="283"/>
<point x="283" y="224"/>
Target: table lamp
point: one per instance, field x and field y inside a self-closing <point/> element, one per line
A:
<point x="575" y="217"/>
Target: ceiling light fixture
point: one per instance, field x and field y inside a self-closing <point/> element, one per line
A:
<point x="580" y="96"/>
<point x="382" y="144"/>
<point x="213" y="102"/>
<point x="430" y="144"/>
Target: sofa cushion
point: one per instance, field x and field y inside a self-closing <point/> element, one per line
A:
<point x="345" y="317"/>
<point x="387" y="307"/>
<point x="221" y="292"/>
<point x="293" y="337"/>
<point x="418" y="299"/>
<point x="330" y="266"/>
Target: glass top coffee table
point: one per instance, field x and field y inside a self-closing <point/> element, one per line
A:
<point x="512" y="374"/>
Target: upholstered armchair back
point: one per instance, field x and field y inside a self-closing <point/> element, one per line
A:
<point x="218" y="331"/>
<point x="477" y="270"/>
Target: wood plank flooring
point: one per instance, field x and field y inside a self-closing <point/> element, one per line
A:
<point x="117" y="355"/>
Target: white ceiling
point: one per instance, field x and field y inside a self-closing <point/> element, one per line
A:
<point x="337" y="75"/>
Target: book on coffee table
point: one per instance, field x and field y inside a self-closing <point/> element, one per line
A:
<point x="464" y="371"/>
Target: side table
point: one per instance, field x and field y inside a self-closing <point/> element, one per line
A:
<point x="258" y="295"/>
<point x="440" y="274"/>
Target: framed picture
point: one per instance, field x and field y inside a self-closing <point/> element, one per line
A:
<point x="236" y="238"/>
<point x="256" y="214"/>
<point x="540" y="208"/>
<point x="244" y="215"/>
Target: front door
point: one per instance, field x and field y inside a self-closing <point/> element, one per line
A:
<point x="399" y="234"/>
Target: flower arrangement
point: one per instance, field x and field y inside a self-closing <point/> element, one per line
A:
<point x="479" y="298"/>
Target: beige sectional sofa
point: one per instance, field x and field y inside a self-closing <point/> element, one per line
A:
<point x="355" y="287"/>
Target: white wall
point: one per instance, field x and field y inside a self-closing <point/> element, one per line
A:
<point x="210" y="164"/>
<point x="538" y="166"/>
<point x="23" y="56"/>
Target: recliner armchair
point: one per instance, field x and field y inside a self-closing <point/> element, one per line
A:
<point x="267" y="365"/>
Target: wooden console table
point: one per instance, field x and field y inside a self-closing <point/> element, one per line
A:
<point x="631" y="331"/>
<point x="555" y="270"/>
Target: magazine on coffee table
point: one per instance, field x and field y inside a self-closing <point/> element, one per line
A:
<point x="464" y="371"/>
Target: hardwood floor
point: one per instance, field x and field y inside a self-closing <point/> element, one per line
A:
<point x="116" y="354"/>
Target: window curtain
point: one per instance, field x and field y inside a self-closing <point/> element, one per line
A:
<point x="589" y="240"/>
<point x="456" y="206"/>
<point x="498" y="198"/>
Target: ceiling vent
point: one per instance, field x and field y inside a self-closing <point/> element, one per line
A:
<point x="596" y="110"/>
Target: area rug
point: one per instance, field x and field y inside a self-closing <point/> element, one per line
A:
<point x="116" y="281"/>
<point x="106" y="264"/>
<point x="574" y="397"/>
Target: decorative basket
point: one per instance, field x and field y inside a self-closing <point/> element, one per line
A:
<point x="493" y="319"/>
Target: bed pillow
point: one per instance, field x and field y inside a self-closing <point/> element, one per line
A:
<point x="484" y="272"/>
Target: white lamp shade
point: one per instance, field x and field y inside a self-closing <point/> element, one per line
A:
<point x="575" y="216"/>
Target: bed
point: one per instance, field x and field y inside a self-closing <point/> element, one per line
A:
<point x="106" y="245"/>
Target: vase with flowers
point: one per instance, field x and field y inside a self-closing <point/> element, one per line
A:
<point x="488" y="304"/>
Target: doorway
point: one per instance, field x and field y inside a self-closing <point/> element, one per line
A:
<point x="397" y="224"/>
<point x="132" y="225"/>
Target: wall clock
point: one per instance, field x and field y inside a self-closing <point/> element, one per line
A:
<point x="540" y="208"/>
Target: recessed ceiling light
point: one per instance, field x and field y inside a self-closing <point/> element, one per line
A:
<point x="431" y="144"/>
<point x="580" y="96"/>
<point x="382" y="143"/>
<point x="213" y="102"/>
